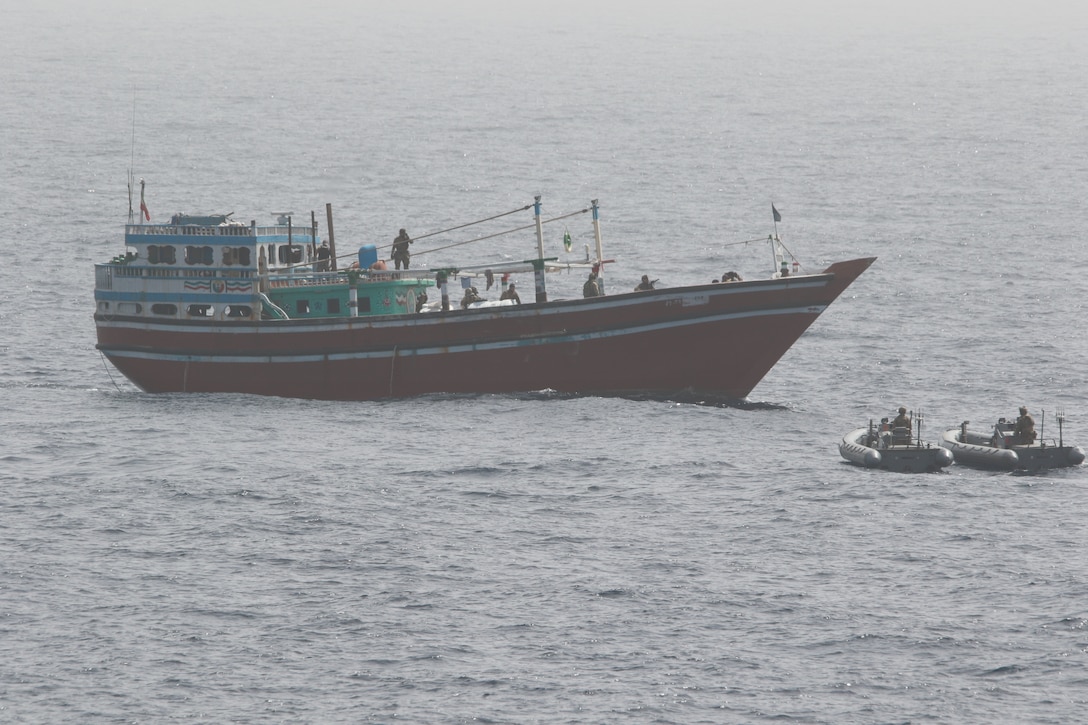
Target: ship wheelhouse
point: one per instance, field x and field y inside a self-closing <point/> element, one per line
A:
<point x="201" y="267"/>
<point x="213" y="268"/>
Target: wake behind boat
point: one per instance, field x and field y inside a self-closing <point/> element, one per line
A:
<point x="208" y="304"/>
<point x="893" y="446"/>
<point x="1012" y="446"/>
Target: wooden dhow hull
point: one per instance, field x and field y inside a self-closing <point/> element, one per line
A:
<point x="718" y="339"/>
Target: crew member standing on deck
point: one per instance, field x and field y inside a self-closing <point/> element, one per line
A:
<point x="590" y="288"/>
<point x="1025" y="428"/>
<point x="645" y="284"/>
<point x="400" y="249"/>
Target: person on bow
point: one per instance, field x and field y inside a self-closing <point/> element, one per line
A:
<point x="401" y="255"/>
<point x="1025" y="428"/>
<point x="645" y="284"/>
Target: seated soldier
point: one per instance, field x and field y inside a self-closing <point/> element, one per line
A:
<point x="511" y="294"/>
<point x="471" y="295"/>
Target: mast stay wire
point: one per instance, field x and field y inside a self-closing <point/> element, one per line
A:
<point x="478" y="239"/>
<point x="764" y="239"/>
<point x="451" y="229"/>
<point x="469" y="224"/>
<point x="529" y="226"/>
<point x="499" y="234"/>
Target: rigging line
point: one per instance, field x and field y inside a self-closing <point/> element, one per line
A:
<point x="108" y="373"/>
<point x="132" y="155"/>
<point x="132" y="150"/>
<point x="451" y="229"/>
<point x="392" y="366"/>
<point x="787" y="251"/>
<point x="746" y="241"/>
<point x="565" y="216"/>
<point x="499" y="234"/>
<point x="479" y="239"/>
<point x="481" y="221"/>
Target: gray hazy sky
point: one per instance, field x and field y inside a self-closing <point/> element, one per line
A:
<point x="967" y="16"/>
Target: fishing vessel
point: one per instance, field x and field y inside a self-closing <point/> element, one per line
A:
<point x="212" y="305"/>
<point x="894" y="448"/>
<point x="1003" y="448"/>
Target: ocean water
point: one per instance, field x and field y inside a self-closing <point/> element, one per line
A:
<point x="535" y="557"/>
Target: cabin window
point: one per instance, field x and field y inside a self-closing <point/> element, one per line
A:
<point x="333" y="305"/>
<point x="129" y="308"/>
<point x="234" y="229"/>
<point x="200" y="310"/>
<point x="364" y="304"/>
<point x="198" y="255"/>
<point x="290" y="254"/>
<point x="161" y="254"/>
<point x="302" y="307"/>
<point x="164" y="309"/>
<point x="236" y="255"/>
<point x="236" y="311"/>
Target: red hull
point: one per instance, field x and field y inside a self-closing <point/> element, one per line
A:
<point x="716" y="339"/>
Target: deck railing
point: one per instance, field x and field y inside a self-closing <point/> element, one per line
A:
<point x="300" y="235"/>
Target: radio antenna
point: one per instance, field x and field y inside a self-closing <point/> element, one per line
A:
<point x="132" y="155"/>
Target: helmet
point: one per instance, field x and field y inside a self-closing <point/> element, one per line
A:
<point x="902" y="410"/>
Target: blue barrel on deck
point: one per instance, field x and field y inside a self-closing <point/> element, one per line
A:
<point x="368" y="255"/>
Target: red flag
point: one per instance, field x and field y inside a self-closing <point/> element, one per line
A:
<point x="143" y="206"/>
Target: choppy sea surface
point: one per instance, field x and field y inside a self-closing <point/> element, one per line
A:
<point x="535" y="557"/>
